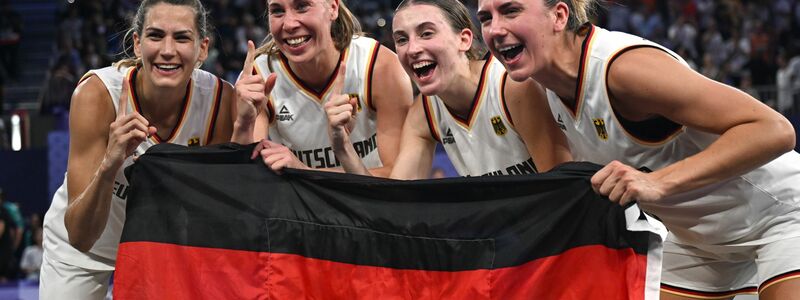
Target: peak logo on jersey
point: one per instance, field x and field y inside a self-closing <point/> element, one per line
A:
<point x="449" y="138"/>
<point x="600" y="127"/>
<point x="560" y="123"/>
<point x="194" y="141"/>
<point x="358" y="100"/>
<point x="499" y="127"/>
<point x="284" y="115"/>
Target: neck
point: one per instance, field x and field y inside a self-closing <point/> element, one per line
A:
<point x="561" y="74"/>
<point x="317" y="72"/>
<point x="159" y="104"/>
<point x="460" y="93"/>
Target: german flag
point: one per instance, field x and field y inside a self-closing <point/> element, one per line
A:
<point x="208" y="223"/>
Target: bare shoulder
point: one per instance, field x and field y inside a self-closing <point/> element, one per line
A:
<point x="92" y="100"/>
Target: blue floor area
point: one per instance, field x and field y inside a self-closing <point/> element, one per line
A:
<point x="19" y="290"/>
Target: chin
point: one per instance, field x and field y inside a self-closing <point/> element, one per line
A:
<point x="519" y="75"/>
<point x="429" y="89"/>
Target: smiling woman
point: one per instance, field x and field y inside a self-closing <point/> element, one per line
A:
<point x="315" y="55"/>
<point x="725" y="181"/>
<point x="119" y="112"/>
<point x="487" y="125"/>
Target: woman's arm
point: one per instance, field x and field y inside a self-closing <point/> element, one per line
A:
<point x="530" y="111"/>
<point x="96" y="153"/>
<point x="645" y="83"/>
<point x="416" y="144"/>
<point x="391" y="97"/>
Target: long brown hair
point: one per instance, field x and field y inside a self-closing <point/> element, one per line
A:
<point x="459" y="18"/>
<point x="200" y="21"/>
<point x="343" y="29"/>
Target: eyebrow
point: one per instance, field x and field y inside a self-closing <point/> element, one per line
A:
<point x="159" y="30"/>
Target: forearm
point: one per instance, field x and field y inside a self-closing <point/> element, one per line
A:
<point x="87" y="214"/>
<point x="347" y="156"/>
<point x="243" y="132"/>
<point x="727" y="157"/>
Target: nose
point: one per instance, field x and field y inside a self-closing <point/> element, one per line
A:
<point x="290" y="21"/>
<point x="168" y="47"/>
<point x="494" y="29"/>
<point x="414" y="48"/>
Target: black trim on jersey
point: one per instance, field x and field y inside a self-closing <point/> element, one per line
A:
<point x="653" y="130"/>
<point x="138" y="106"/>
<point x="217" y="103"/>
<point x="429" y="118"/>
<point x="304" y="85"/>
<point x="372" y="62"/>
<point x="475" y="98"/>
<point x="503" y="97"/>
<point x="217" y="197"/>
<point x="573" y="107"/>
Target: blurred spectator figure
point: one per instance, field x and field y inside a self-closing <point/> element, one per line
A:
<point x="7" y="229"/>
<point x="746" y="85"/>
<point x="60" y="83"/>
<point x="249" y="30"/>
<point x="71" y="25"/>
<point x="784" y="78"/>
<point x="683" y="34"/>
<point x="619" y="14"/>
<point x="10" y="36"/>
<point x="709" y="68"/>
<point x="31" y="260"/>
<point x="5" y="144"/>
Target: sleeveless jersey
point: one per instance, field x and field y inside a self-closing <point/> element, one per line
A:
<point x="486" y="143"/>
<point x="297" y="114"/>
<point x="737" y="211"/>
<point x="195" y="127"/>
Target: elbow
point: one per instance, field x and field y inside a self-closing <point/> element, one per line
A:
<point x="82" y="245"/>
<point x="786" y="137"/>
<point x="77" y="239"/>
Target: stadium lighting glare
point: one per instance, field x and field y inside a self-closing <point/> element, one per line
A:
<point x="16" y="133"/>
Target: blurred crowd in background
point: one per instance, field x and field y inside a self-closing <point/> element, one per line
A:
<point x="752" y="45"/>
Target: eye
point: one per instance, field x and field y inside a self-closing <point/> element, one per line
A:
<point x="154" y="36"/>
<point x="426" y="34"/>
<point x="303" y="6"/>
<point x="183" y="38"/>
<point x="400" y="40"/>
<point x="276" y="11"/>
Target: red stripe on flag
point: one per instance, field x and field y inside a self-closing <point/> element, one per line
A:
<point x="588" y="272"/>
<point x="148" y="270"/>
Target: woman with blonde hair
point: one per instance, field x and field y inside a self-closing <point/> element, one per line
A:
<point x="315" y="54"/>
<point x="725" y="180"/>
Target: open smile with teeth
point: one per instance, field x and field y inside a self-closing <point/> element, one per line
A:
<point x="510" y="52"/>
<point x="423" y="68"/>
<point x="167" y="67"/>
<point x="297" y="41"/>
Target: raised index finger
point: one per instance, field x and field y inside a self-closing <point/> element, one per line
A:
<point x="247" y="70"/>
<point x="338" y="84"/>
<point x="123" y="99"/>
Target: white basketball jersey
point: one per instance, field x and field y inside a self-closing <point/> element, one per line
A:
<point x="734" y="210"/>
<point x="195" y="127"/>
<point x="297" y="114"/>
<point x="486" y="143"/>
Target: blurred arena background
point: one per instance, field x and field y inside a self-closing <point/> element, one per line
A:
<point x="45" y="47"/>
